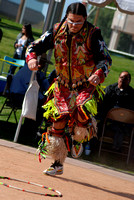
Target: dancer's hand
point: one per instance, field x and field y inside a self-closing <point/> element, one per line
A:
<point x="33" y="64"/>
<point x="94" y="79"/>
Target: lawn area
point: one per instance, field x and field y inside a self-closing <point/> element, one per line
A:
<point x="7" y="130"/>
<point x="120" y="64"/>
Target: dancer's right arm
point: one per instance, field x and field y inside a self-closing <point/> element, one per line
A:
<point x="37" y="48"/>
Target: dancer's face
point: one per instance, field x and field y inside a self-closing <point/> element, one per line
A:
<point x="75" y="22"/>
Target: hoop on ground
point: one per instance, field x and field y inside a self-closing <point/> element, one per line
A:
<point x="29" y="191"/>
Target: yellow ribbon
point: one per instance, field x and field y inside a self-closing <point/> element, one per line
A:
<point x="10" y="62"/>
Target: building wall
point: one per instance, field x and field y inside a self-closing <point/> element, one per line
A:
<point x="10" y="10"/>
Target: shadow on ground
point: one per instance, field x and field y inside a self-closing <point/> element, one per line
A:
<point x="120" y="194"/>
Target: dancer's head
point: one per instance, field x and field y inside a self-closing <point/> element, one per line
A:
<point x="76" y="15"/>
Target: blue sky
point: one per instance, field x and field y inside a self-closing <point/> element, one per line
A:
<point x="39" y="6"/>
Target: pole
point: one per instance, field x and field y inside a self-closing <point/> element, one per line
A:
<point x="20" y="10"/>
<point x="18" y="129"/>
<point x="48" y="16"/>
<point x="96" y="16"/>
<point x="54" y="13"/>
<point x="22" y="13"/>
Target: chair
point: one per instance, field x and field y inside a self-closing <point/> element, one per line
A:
<point x="9" y="102"/>
<point x="11" y="61"/>
<point x="119" y="115"/>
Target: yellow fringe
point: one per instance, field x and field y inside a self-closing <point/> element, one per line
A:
<point x="91" y="106"/>
<point x="50" y="110"/>
<point x="50" y="90"/>
<point x="100" y="91"/>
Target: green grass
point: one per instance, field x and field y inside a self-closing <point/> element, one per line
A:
<point x="7" y="130"/>
<point x="120" y="64"/>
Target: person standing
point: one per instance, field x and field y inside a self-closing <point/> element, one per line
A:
<point x="82" y="62"/>
<point x="22" y="41"/>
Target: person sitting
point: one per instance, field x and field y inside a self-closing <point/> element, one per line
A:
<point x="119" y="94"/>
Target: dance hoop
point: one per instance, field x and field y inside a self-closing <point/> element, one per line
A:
<point x="29" y="191"/>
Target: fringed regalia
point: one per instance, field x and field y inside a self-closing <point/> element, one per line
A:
<point x="77" y="57"/>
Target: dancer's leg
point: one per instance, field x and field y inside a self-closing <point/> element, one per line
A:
<point x="57" y="148"/>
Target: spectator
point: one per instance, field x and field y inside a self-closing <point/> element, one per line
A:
<point x="22" y="41"/>
<point x="119" y="94"/>
<point x="82" y="62"/>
